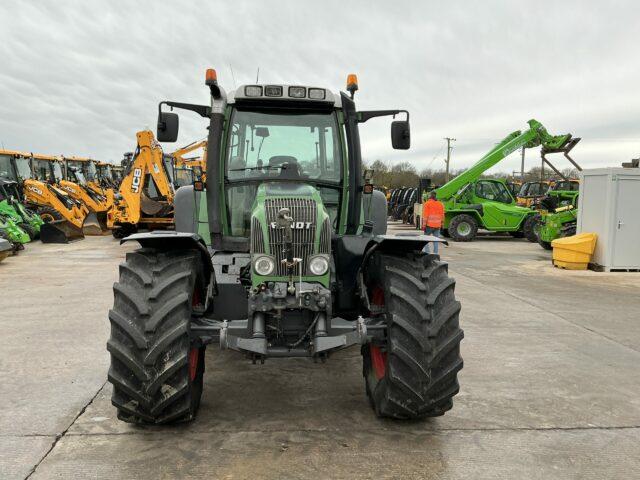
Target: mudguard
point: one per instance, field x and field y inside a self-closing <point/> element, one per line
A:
<point x="403" y="241"/>
<point x="170" y="240"/>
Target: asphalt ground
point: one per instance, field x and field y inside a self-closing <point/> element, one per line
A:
<point x="550" y="387"/>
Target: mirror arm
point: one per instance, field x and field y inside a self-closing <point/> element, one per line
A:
<point x="366" y="115"/>
<point x="202" y="110"/>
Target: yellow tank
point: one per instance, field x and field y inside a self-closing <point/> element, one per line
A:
<point x="574" y="253"/>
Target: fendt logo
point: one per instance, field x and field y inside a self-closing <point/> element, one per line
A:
<point x="137" y="180"/>
<point x="295" y="225"/>
<point x="35" y="189"/>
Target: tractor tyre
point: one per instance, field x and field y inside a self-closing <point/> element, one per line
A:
<point x="48" y="214"/>
<point x="124" y="230"/>
<point x="413" y="373"/>
<point x="445" y="233"/>
<point x="531" y="227"/>
<point x="545" y="245"/>
<point x="463" y="228"/>
<point x="156" y="369"/>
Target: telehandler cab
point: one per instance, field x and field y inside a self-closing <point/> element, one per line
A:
<point x="284" y="254"/>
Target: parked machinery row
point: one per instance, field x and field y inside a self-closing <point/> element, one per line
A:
<point x="474" y="203"/>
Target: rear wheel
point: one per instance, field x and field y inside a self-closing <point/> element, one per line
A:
<point x="463" y="228"/>
<point x="124" y="230"/>
<point x="413" y="372"/>
<point x="30" y="230"/>
<point x="48" y="214"/>
<point x="156" y="370"/>
<point x="545" y="245"/>
<point x="531" y="227"/>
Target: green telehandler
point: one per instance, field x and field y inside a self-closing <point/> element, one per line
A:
<point x="472" y="203"/>
<point x="283" y="254"/>
<point x="12" y="207"/>
<point x="11" y="231"/>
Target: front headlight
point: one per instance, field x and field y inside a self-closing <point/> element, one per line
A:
<point x="264" y="265"/>
<point x="318" y="265"/>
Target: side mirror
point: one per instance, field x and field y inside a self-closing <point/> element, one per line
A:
<point x="167" y="127"/>
<point x="400" y="135"/>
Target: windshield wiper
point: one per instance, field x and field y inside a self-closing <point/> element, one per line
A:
<point x="268" y="167"/>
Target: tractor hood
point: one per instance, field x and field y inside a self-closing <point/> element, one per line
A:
<point x="311" y="227"/>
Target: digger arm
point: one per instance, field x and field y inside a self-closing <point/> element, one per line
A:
<point x="535" y="136"/>
<point x="147" y="161"/>
<point x="181" y="152"/>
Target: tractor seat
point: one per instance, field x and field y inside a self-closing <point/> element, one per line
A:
<point x="290" y="167"/>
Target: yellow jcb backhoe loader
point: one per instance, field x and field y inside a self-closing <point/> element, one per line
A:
<point x="76" y="183"/>
<point x="145" y="196"/>
<point x="198" y="164"/>
<point x="63" y="215"/>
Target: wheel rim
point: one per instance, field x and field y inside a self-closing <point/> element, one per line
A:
<point x="378" y="361"/>
<point x="194" y="356"/>
<point x="464" y="229"/>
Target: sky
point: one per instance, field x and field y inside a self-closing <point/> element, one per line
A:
<point x="82" y="77"/>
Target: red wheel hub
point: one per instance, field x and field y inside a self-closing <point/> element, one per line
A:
<point x="378" y="361"/>
<point x="194" y="356"/>
<point x="377" y="297"/>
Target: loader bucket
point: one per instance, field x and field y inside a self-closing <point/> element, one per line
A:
<point x="95" y="224"/>
<point x="154" y="208"/>
<point x="60" y="231"/>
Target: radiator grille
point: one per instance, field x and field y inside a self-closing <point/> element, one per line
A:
<point x="325" y="237"/>
<point x="257" y="238"/>
<point x="303" y="210"/>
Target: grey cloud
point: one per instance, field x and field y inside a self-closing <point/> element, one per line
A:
<point x="83" y="77"/>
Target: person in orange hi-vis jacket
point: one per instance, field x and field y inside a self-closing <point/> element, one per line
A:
<point x="432" y="219"/>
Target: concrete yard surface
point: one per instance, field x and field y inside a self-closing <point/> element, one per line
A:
<point x="550" y="386"/>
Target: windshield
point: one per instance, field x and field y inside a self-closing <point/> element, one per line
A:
<point x="57" y="171"/>
<point x="5" y="167"/>
<point x="90" y="171"/>
<point x="495" y="191"/>
<point x="285" y="146"/>
<point x="79" y="176"/>
<point x="183" y="177"/>
<point x="567" y="186"/>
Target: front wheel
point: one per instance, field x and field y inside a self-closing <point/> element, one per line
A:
<point x="413" y="372"/>
<point x="531" y="227"/>
<point x="545" y="245"/>
<point x="156" y="369"/>
<point x="463" y="228"/>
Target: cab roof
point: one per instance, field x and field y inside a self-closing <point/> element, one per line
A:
<point x="278" y="93"/>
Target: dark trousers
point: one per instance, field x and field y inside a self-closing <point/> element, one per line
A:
<point x="436" y="233"/>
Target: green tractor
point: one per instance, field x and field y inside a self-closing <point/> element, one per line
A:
<point x="472" y="203"/>
<point x="283" y="254"/>
<point x="12" y="207"/>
